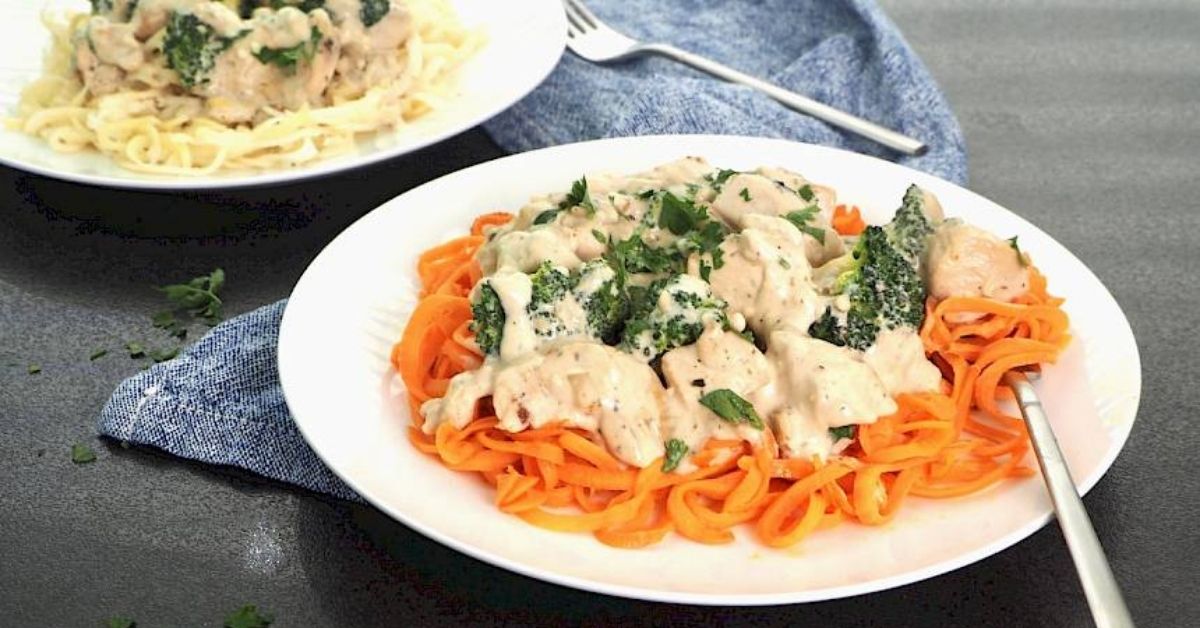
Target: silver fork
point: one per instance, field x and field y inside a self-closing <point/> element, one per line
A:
<point x="597" y="42"/>
<point x="1099" y="586"/>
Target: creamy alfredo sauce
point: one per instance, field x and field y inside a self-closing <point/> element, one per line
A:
<point x="252" y="54"/>
<point x="761" y="294"/>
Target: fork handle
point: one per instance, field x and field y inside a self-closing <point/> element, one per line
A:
<point x="1099" y="585"/>
<point x="821" y="111"/>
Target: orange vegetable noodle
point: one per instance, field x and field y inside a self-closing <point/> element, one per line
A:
<point x="936" y="445"/>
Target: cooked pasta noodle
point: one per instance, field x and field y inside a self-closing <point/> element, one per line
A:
<point x="152" y="125"/>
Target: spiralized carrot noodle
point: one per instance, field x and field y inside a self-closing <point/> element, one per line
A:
<point x="936" y="445"/>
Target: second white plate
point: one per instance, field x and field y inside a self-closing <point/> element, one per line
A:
<point x="524" y="41"/>
<point x="352" y="303"/>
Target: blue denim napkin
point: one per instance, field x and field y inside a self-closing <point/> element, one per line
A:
<point x="220" y="401"/>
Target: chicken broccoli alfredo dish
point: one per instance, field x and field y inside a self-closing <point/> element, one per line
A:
<point x="691" y="349"/>
<point x="194" y="86"/>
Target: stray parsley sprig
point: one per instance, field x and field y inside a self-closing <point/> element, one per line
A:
<point x="248" y="617"/>
<point x="198" y="297"/>
<point x="800" y="219"/>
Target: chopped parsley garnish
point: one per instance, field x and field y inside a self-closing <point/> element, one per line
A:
<point x="248" y="617"/>
<point x="802" y="217"/>
<point x="600" y="237"/>
<point x="838" y="433"/>
<point x="707" y="241"/>
<point x="635" y="256"/>
<point x="785" y="264"/>
<point x="135" y="349"/>
<point x="731" y="408"/>
<point x="745" y="194"/>
<point x="676" y="450"/>
<point x="718" y="180"/>
<point x="577" y="197"/>
<point x="1016" y="247"/>
<point x="679" y="215"/>
<point x="120" y="622"/>
<point x="97" y="354"/>
<point x="82" y="454"/>
<point x="34" y="369"/>
<point x="805" y="192"/>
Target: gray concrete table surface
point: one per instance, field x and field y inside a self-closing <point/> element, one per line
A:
<point x="1084" y="117"/>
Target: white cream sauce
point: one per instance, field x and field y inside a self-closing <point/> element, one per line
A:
<point x="800" y="386"/>
<point x="240" y="86"/>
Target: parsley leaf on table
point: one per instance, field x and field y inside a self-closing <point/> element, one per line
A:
<point x="197" y="297"/>
<point x="82" y="454"/>
<point x="248" y="617"/>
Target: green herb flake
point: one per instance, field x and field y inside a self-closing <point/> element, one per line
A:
<point x="1020" y="255"/>
<point x="802" y="217"/>
<point x="600" y="237"/>
<point x="34" y="369"/>
<point x="840" y="433"/>
<point x="248" y="617"/>
<point x="97" y="354"/>
<point x="745" y="194"/>
<point x="731" y="407"/>
<point x="120" y="622"/>
<point x="676" y="450"/>
<point x="679" y="215"/>
<point x="720" y="177"/>
<point x="579" y="197"/>
<point x="82" y="454"/>
<point x="135" y="349"/>
<point x="785" y="264"/>
<point x="162" y="355"/>
<point x="197" y="297"/>
<point x="805" y="192"/>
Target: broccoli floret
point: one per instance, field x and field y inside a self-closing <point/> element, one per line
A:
<point x="487" y="319"/>
<point x="670" y="312"/>
<point x="286" y="59"/>
<point x="884" y="290"/>
<point x="374" y="10"/>
<point x="550" y="285"/>
<point x="910" y="227"/>
<point x="191" y="47"/>
<point x="602" y="295"/>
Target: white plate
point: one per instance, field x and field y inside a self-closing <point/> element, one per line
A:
<point x="351" y="304"/>
<point x="524" y="42"/>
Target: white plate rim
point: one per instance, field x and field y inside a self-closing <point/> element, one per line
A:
<point x="554" y="44"/>
<point x="1084" y="485"/>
